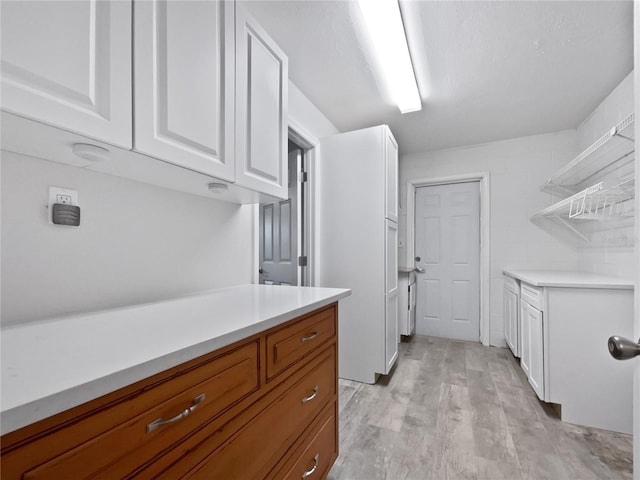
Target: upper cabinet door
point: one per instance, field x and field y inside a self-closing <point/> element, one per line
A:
<point x="183" y="65"/>
<point x="261" y="109"/>
<point x="68" y="64"/>
<point x="391" y="159"/>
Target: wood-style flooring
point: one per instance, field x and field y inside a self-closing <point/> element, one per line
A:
<point x="458" y="410"/>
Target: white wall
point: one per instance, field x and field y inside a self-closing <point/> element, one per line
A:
<point x="614" y="108"/>
<point x="313" y="125"/>
<point x="305" y="113"/>
<point x="517" y="168"/>
<point x="136" y="242"/>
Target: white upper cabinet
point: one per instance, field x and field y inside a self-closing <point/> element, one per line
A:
<point x="68" y="64"/>
<point x="184" y="84"/>
<point x="261" y="109"/>
<point x="209" y="90"/>
<point x="391" y="159"/>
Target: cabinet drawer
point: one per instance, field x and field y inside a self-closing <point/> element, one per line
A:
<point x="511" y="284"/>
<point x="259" y="445"/>
<point x="319" y="454"/>
<point x="532" y="295"/>
<point x="286" y="346"/>
<point x="122" y="448"/>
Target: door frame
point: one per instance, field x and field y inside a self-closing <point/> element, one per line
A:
<point x="311" y="146"/>
<point x="636" y="389"/>
<point x="485" y="239"/>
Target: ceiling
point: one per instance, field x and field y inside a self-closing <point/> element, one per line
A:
<point x="486" y="70"/>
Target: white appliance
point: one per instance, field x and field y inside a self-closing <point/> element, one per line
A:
<point x="357" y="246"/>
<point x="407" y="302"/>
<point x="412" y="304"/>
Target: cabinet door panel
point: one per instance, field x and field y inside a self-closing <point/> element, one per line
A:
<point x="68" y="64"/>
<point x="391" y="257"/>
<point x="536" y="364"/>
<point x="391" y="159"/>
<point x="392" y="337"/>
<point x="525" y="353"/>
<point x="261" y="109"/>
<point x="511" y="321"/>
<point x="184" y="84"/>
<point x="506" y="318"/>
<point x="391" y="330"/>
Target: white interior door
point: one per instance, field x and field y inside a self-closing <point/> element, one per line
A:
<point x="279" y="239"/>
<point x="636" y="390"/>
<point x="447" y="241"/>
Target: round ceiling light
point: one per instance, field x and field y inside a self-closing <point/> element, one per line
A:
<point x="93" y="153"/>
<point x="218" y="187"/>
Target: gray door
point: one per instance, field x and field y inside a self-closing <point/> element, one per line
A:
<point x="279" y="237"/>
<point x="448" y="243"/>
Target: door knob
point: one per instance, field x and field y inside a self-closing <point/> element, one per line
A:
<point x="260" y="271"/>
<point x="622" y="348"/>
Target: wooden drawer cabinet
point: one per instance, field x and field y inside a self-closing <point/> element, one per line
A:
<point x="318" y="452"/>
<point x="213" y="417"/>
<point x="259" y="445"/>
<point x="292" y="342"/>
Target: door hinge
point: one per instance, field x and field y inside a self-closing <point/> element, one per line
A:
<point x="302" y="261"/>
<point x="302" y="176"/>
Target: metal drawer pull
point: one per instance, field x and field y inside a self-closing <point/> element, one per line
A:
<point x="312" y="396"/>
<point x="160" y="421"/>
<point x="313" y="469"/>
<point x="309" y="337"/>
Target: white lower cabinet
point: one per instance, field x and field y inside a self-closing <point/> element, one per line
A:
<point x="532" y="360"/>
<point x="525" y="345"/>
<point x="565" y="321"/>
<point x="512" y="315"/>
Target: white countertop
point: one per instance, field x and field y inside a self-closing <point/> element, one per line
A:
<point x="53" y="365"/>
<point x="549" y="278"/>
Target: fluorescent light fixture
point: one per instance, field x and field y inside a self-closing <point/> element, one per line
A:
<point x="387" y="33"/>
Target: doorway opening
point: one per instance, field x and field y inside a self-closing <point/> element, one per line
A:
<point x="284" y="226"/>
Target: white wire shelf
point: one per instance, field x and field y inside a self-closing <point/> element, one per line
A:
<point x="610" y="152"/>
<point x="598" y="202"/>
<point x="601" y="215"/>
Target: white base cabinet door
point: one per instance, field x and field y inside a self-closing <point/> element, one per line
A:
<point x="392" y="337"/>
<point x="261" y="109"/>
<point x="511" y="324"/>
<point x="533" y="319"/>
<point x="68" y="64"/>
<point x="184" y="84"/>
<point x="525" y="352"/>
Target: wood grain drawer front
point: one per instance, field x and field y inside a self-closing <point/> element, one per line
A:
<point x="321" y="451"/>
<point x="286" y="346"/>
<point x="118" y="451"/>
<point x="258" y="446"/>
